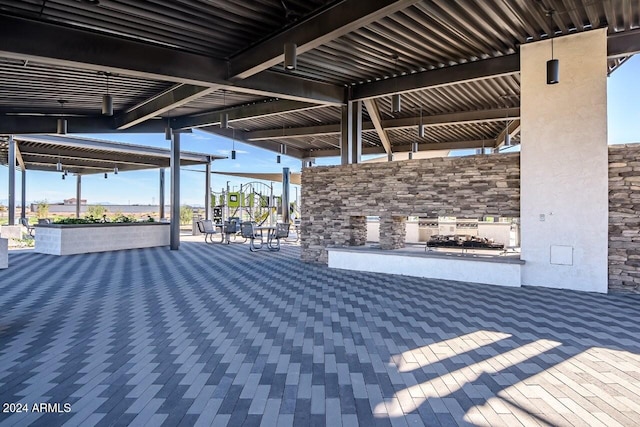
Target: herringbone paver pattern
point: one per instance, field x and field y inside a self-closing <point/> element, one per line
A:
<point x="216" y="335"/>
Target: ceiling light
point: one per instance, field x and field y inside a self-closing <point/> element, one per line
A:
<point x="396" y="103"/>
<point x="290" y="56"/>
<point x="553" y="65"/>
<point x="62" y="122"/>
<point x="107" y="100"/>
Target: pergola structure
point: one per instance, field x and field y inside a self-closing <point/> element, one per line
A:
<point x="70" y="155"/>
<point x="195" y="64"/>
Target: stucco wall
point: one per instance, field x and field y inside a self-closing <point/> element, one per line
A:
<point x="466" y="187"/>
<point x="564" y="164"/>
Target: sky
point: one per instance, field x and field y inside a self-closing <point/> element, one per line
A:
<point x="141" y="187"/>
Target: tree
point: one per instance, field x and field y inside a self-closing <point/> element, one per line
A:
<point x="186" y="214"/>
<point x="96" y="211"/>
<point x="42" y="209"/>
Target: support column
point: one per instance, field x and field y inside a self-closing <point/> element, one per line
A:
<point x="207" y="194"/>
<point x="78" y="194"/>
<point x="12" y="180"/>
<point x="356" y="132"/>
<point x="24" y="194"/>
<point x="346" y="133"/>
<point x="564" y="164"/>
<point x="175" y="192"/>
<point x="392" y="232"/>
<point x="161" y="198"/>
<point x="285" y="195"/>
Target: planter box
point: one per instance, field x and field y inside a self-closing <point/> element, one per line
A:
<point x="4" y="253"/>
<point x="63" y="239"/>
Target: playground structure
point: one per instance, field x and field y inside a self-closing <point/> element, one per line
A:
<point x="253" y="202"/>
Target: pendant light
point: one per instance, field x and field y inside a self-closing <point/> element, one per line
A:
<point x="63" y="176"/>
<point x="62" y="122"/>
<point x="115" y="170"/>
<point x="224" y="117"/>
<point x="283" y="150"/>
<point x="233" y="146"/>
<point x="420" y="125"/>
<point x="107" y="100"/>
<point x="290" y="56"/>
<point x="396" y="100"/>
<point x="553" y="65"/>
<point x="105" y="175"/>
<point x="507" y="136"/>
<point x="59" y="164"/>
<point x="167" y="130"/>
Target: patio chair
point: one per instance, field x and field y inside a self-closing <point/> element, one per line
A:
<point x="281" y="232"/>
<point x="206" y="227"/>
<point x="30" y="228"/>
<point x="248" y="231"/>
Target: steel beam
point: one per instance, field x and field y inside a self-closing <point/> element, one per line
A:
<point x="286" y="176"/>
<point x="330" y="24"/>
<point x="374" y="114"/>
<point x="11" y="163"/>
<point x="175" y="192"/>
<point x="468" y="117"/>
<point x="168" y="100"/>
<point x="19" y="158"/>
<point x="356" y="132"/>
<point x="239" y="136"/>
<point x="61" y="46"/>
<point x="23" y="210"/>
<point x="458" y="145"/>
<point x="161" y="198"/>
<point x="345" y="133"/>
<point x="623" y="44"/>
<point x="24" y="125"/>
<point x="477" y="70"/>
<point x="262" y="109"/>
<point x="207" y="194"/>
<point x="78" y="194"/>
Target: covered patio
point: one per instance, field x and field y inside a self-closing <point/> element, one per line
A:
<point x="143" y="337"/>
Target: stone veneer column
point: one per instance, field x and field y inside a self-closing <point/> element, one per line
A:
<point x="564" y="174"/>
<point x="392" y="232"/>
<point x="358" y="225"/>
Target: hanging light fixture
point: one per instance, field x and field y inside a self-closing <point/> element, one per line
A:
<point x="224" y="117"/>
<point x="66" y="172"/>
<point x="233" y="146"/>
<point x="290" y="56"/>
<point x="396" y="103"/>
<point x="105" y="175"/>
<point x="59" y="166"/>
<point x="63" y="176"/>
<point x="115" y="170"/>
<point x="553" y="65"/>
<point x="283" y="150"/>
<point x="167" y="130"/>
<point x="107" y="100"/>
<point x="421" y="125"/>
<point x="62" y="122"/>
<point x="414" y="147"/>
<point x="396" y="100"/>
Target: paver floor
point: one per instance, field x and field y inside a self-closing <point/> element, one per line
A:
<point x="216" y="335"/>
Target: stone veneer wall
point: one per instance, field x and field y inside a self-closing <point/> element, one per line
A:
<point x="624" y="217"/>
<point x="466" y="187"/>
